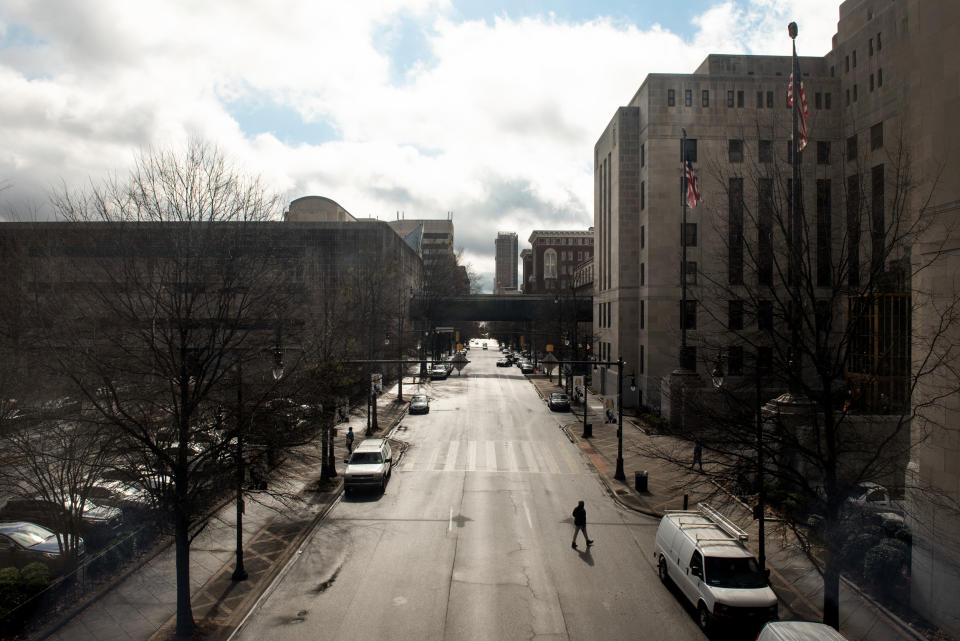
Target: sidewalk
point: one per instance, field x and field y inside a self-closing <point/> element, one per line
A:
<point x="795" y="581"/>
<point x="142" y="605"/>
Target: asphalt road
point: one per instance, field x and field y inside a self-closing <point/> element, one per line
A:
<point x="472" y="538"/>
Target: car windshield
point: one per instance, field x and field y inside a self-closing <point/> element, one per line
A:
<point x="419" y="399"/>
<point x="734" y="573"/>
<point x="559" y="397"/>
<point x="366" y="458"/>
<point x="29" y="535"/>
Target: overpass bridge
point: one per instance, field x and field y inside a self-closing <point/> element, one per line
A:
<point x="489" y="307"/>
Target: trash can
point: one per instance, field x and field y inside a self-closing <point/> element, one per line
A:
<point x="640" y="481"/>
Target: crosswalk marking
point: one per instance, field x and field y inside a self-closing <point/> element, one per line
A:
<point x="533" y="457"/>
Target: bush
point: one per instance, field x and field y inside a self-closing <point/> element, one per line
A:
<point x="11" y="590"/>
<point x="855" y="549"/>
<point x="35" y="577"/>
<point x="883" y="563"/>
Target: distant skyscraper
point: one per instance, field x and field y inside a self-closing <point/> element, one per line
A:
<point x="505" y="278"/>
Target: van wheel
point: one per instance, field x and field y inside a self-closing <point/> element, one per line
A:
<point x="662" y="570"/>
<point x="704" y="620"/>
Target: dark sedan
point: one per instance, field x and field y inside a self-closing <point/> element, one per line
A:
<point x="502" y="362"/>
<point x="419" y="404"/>
<point x="559" y="402"/>
<point x="22" y="543"/>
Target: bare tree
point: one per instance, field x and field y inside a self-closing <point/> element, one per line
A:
<point x="180" y="295"/>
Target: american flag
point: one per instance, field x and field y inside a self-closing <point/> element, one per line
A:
<point x="803" y="112"/>
<point x="693" y="191"/>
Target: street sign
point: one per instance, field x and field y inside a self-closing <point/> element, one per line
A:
<point x="550" y="348"/>
<point x="459" y="361"/>
<point x="549" y="363"/>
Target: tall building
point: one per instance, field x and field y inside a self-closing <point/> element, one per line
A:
<point x="505" y="277"/>
<point x="881" y="112"/>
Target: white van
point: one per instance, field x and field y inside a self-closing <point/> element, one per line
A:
<point x="703" y="553"/>
<point x="369" y="465"/>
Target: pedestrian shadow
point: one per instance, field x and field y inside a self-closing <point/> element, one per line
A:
<point x="586" y="556"/>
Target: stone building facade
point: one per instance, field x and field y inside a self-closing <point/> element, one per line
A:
<point x="881" y="110"/>
<point x="554" y="256"/>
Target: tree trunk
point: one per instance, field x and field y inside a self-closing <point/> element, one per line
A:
<point x="185" y="623"/>
<point x="831" y="589"/>
<point x="325" y="437"/>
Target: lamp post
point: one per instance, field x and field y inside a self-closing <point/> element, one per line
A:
<point x="619" y="475"/>
<point x="239" y="572"/>
<point x="717" y="376"/>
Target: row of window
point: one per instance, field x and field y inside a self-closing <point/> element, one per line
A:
<point x="847" y="58"/>
<point x="576" y="240"/>
<point x="737" y="98"/>
<point x="877" y="84"/>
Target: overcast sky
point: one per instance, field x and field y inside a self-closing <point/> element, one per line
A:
<point x="489" y="110"/>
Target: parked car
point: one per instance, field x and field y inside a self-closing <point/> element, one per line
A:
<point x="527" y="367"/>
<point x="502" y="362"/>
<point x="101" y="518"/>
<point x="438" y="372"/>
<point x="419" y="404"/>
<point x="369" y="465"/>
<point x="703" y="553"/>
<point x="558" y="402"/>
<point x="23" y="542"/>
<point x="799" y="631"/>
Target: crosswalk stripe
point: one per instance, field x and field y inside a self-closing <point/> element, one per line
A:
<point x="534" y="457"/>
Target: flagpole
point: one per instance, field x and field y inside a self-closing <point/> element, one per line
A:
<point x="683" y="250"/>
<point x="793" y="275"/>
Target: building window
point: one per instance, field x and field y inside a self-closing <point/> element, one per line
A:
<point x="870" y="47"/>
<point x="823" y="152"/>
<point x="818" y="100"/>
<point x="688" y="97"/>
<point x="766" y="151"/>
<point x="671" y="98"/>
<point x="705" y="97"/>
<point x="759" y="100"/>
<point x="691" y="149"/>
<point x="878" y="42"/>
<point x="643" y="236"/>
<point x="853" y="230"/>
<point x="765" y="315"/>
<point x="876" y="136"/>
<point x="690" y="234"/>
<point x="643" y="155"/>
<point x="689" y="318"/>
<point x="740" y="99"/>
<point x="878" y="230"/>
<point x="690" y="272"/>
<point x="735" y="360"/>
<point x="769" y="100"/>
<point x="871" y="82"/>
<point x="735" y="150"/>
<point x="879" y="77"/>
<point x="790" y="154"/>
<point x="852" y="147"/>
<point x="826" y="100"/>
<point x="730" y="98"/>
<point x="550" y="263"/>
<point x="643" y="275"/>
<point x="854" y="58"/>
<point x="735" y="314"/>
<point x="643" y="195"/>
<point x="765" y="231"/>
<point x="642" y="359"/>
<point x="764" y="360"/>
<point x="824" y="235"/>
<point x="642" y="313"/>
<point x="846" y="62"/>
<point x="735" y="232"/>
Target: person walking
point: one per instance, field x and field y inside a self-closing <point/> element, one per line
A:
<point x="349" y="440"/>
<point x="580" y="523"/>
<point x="697" y="455"/>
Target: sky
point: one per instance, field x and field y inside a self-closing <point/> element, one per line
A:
<point x="488" y="111"/>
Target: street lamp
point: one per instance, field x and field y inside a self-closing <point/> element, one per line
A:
<point x="717" y="377"/>
<point x="619" y="475"/>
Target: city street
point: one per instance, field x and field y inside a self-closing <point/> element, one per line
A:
<point x="472" y="538"/>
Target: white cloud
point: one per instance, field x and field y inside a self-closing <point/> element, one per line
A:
<point x="497" y="125"/>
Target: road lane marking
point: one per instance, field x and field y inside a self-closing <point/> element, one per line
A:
<point x="527" y="449"/>
<point x="491" y="462"/>
<point x="450" y="521"/>
<point x="546" y="455"/>
<point x="529" y="520"/>
<point x="451" y="461"/>
<point x="471" y="463"/>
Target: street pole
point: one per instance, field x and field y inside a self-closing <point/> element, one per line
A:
<point x="239" y="573"/>
<point x="761" y="496"/>
<point x="683" y="250"/>
<point x="793" y="226"/>
<point x="619" y="475"/>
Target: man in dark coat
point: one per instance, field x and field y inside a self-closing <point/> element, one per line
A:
<point x="580" y="523"/>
